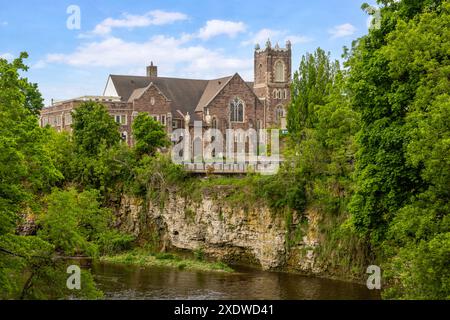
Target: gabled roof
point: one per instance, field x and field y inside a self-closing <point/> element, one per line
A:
<point x="184" y="93"/>
<point x="212" y="89"/>
<point x="138" y="93"/>
<point x="215" y="87"/>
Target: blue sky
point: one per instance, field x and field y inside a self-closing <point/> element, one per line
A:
<point x="193" y="39"/>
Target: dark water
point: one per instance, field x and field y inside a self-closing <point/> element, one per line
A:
<point x="131" y="282"/>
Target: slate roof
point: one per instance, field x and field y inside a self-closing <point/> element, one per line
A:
<point x="212" y="89"/>
<point x="187" y="95"/>
<point x="184" y="93"/>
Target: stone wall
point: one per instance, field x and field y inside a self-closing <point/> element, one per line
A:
<point x="253" y="110"/>
<point x="155" y="103"/>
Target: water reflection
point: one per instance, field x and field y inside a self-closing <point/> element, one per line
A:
<point x="130" y="282"/>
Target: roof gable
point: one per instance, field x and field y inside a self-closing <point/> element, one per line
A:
<point x="138" y="93"/>
<point x="215" y="87"/>
<point x="110" y="89"/>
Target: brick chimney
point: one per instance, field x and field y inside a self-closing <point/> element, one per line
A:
<point x="152" y="71"/>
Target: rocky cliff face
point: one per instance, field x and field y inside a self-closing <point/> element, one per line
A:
<point x="222" y="231"/>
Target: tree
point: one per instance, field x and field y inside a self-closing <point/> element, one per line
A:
<point x="25" y="166"/>
<point x="94" y="133"/>
<point x="149" y="135"/>
<point x="75" y="222"/>
<point x="399" y="82"/>
<point x="94" y="129"/>
<point x="28" y="266"/>
<point x="311" y="85"/>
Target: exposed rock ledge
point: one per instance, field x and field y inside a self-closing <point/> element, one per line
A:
<point x="230" y="234"/>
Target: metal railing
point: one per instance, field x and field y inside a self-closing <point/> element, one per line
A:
<point x="232" y="168"/>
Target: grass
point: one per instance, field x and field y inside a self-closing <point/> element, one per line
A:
<point x="169" y="260"/>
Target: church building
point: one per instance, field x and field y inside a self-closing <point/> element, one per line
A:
<point x="225" y="103"/>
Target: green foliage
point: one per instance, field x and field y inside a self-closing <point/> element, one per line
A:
<point x="112" y="241"/>
<point x="94" y="129"/>
<point x="15" y="88"/>
<point x="27" y="171"/>
<point x="25" y="166"/>
<point x="167" y="260"/>
<point x="399" y="81"/>
<point x="76" y="224"/>
<point x="199" y="254"/>
<point x="368" y="154"/>
<point x="93" y="156"/>
<point x="156" y="177"/>
<point x="149" y="135"/>
<point x="320" y="161"/>
<point x="311" y="85"/>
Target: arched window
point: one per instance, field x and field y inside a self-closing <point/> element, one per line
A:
<point x="279" y="113"/>
<point x="280" y="94"/>
<point x="237" y="110"/>
<point x="214" y="123"/>
<point x="285" y="93"/>
<point x="279" y="71"/>
<point x="275" y="93"/>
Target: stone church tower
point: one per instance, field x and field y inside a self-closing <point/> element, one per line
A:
<point x="273" y="77"/>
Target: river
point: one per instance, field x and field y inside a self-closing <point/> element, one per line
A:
<point x="132" y="282"/>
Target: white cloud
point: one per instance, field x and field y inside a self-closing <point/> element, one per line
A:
<point x="173" y="56"/>
<point x="343" y="30"/>
<point x="275" y="36"/>
<point x="262" y="35"/>
<point x="3" y="23"/>
<point x="39" y="65"/>
<point x="215" y="28"/>
<point x="7" y="56"/>
<point x="156" y="17"/>
<point x="298" y="39"/>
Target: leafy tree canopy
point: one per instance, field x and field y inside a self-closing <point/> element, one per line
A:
<point x="149" y="135"/>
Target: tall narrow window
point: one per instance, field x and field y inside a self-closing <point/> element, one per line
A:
<point x="260" y="71"/>
<point x="279" y="113"/>
<point x="237" y="110"/>
<point x="163" y="120"/>
<point x="279" y="71"/>
<point x="214" y="123"/>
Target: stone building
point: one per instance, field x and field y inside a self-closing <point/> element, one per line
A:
<point x="225" y="103"/>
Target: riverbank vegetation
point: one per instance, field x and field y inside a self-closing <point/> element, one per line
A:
<point x="368" y="149"/>
<point x="143" y="258"/>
